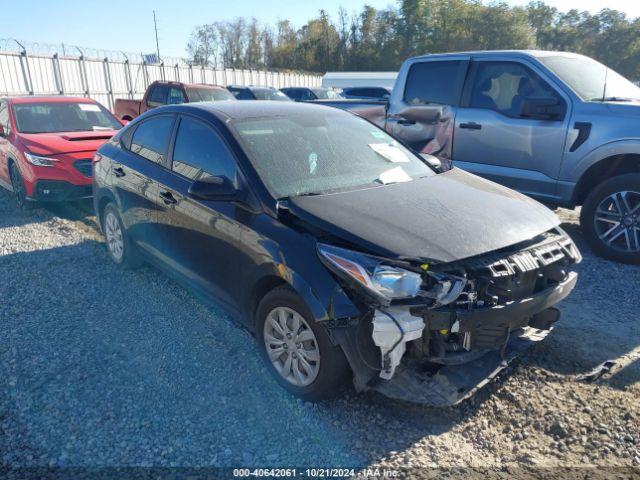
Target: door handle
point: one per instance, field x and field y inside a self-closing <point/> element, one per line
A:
<point x="118" y="172"/>
<point x="168" y="198"/>
<point x="471" y="126"/>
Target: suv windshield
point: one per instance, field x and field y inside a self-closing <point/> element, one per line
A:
<point x="591" y="80"/>
<point x="63" y="117"/>
<point x="269" y="94"/>
<point x="322" y="151"/>
<point x="204" y="94"/>
<point x="325" y="93"/>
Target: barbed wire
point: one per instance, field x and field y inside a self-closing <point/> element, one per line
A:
<point x="14" y="45"/>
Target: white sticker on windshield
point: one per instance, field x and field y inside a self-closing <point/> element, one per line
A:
<point x="395" y="175"/>
<point x="313" y="162"/>
<point x="390" y="152"/>
<point x="89" y="107"/>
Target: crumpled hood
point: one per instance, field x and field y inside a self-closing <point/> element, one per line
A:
<point x="443" y="218"/>
<point x="65" y="142"/>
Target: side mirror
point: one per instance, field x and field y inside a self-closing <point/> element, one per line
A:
<point x="422" y="114"/>
<point x="542" y="108"/>
<point x="2" y="134"/>
<point x="213" y="188"/>
<point x="431" y="160"/>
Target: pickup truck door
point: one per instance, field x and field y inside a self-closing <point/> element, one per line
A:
<point x="492" y="137"/>
<point x="423" y="112"/>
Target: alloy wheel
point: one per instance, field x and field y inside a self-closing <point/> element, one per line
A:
<point x="18" y="187"/>
<point x="617" y="221"/>
<point x="291" y="346"/>
<point x="113" y="234"/>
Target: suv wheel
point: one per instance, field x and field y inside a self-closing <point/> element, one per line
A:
<point x="119" y="246"/>
<point x="298" y="351"/>
<point x="610" y="218"/>
<point x="19" y="190"/>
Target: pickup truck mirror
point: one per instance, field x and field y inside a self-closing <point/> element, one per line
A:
<point x="213" y="188"/>
<point x="542" y="108"/>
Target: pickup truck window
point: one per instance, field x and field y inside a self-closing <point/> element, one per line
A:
<point x="503" y="86"/>
<point x="158" y="96"/>
<point x="199" y="152"/>
<point x="176" y="96"/>
<point x="204" y="94"/>
<point x="433" y="82"/>
<point x="151" y="138"/>
<point x="591" y="80"/>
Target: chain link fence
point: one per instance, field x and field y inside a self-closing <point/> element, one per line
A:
<point x="106" y="75"/>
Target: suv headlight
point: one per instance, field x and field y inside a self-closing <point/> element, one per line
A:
<point x="39" y="161"/>
<point x="385" y="282"/>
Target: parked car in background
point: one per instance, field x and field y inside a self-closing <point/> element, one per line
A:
<point x="47" y="143"/>
<point x="359" y="79"/>
<point x="305" y="94"/>
<point x="559" y="127"/>
<point x="348" y="255"/>
<point x="366" y="93"/>
<point x="251" y="92"/>
<point x="169" y="93"/>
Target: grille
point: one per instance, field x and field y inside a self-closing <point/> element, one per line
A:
<point x="84" y="167"/>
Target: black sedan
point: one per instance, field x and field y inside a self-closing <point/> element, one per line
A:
<point x="348" y="255"/>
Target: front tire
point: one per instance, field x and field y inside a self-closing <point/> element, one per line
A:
<point x="19" y="190"/>
<point x="120" y="248"/>
<point x="610" y="218"/>
<point x="297" y="350"/>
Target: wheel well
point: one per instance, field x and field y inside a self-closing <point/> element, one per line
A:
<point x="603" y="170"/>
<point x="261" y="288"/>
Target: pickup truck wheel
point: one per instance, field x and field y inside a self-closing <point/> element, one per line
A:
<point x="298" y="351"/>
<point x="610" y="218"/>
<point x="119" y="246"/>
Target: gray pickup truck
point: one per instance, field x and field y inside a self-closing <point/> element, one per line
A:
<point x="559" y="127"/>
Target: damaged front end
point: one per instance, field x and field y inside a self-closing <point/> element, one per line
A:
<point x="435" y="333"/>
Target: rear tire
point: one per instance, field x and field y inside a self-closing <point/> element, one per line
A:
<point x="19" y="190"/>
<point x="120" y="248"/>
<point x="306" y="363"/>
<point x="610" y="218"/>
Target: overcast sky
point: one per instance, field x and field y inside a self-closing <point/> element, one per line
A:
<point x="128" y="24"/>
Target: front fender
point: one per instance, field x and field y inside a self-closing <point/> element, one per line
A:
<point x="617" y="147"/>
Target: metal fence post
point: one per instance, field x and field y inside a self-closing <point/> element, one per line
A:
<point x="162" y="76"/>
<point x="127" y="77"/>
<point x="191" y="73"/>
<point x="26" y="72"/>
<point x="107" y="81"/>
<point x="145" y="74"/>
<point x="83" y="75"/>
<point x="57" y="74"/>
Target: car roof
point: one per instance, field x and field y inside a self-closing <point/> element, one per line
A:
<point x="255" y="109"/>
<point x="48" y="99"/>
<point x="481" y="53"/>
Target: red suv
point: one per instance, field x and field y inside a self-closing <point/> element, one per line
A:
<point x="47" y="145"/>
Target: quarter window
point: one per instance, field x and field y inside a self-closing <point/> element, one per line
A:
<point x="151" y="138"/>
<point x="199" y="152"/>
<point x="433" y="82"/>
<point x="504" y="86"/>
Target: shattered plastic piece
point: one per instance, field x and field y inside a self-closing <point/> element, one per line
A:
<point x="391" y="340"/>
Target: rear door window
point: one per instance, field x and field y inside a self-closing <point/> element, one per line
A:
<point x="151" y="138"/>
<point x="434" y="82"/>
<point x="199" y="152"/>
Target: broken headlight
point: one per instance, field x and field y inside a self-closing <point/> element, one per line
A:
<point x="385" y="282"/>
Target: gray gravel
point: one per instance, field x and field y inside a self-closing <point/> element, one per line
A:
<point x="103" y="367"/>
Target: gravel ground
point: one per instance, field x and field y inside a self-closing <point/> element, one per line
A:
<point x="102" y="367"/>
